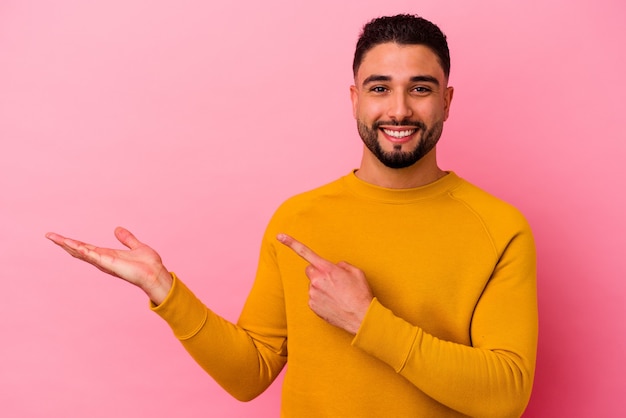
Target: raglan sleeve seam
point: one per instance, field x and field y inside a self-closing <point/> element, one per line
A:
<point x="482" y="221"/>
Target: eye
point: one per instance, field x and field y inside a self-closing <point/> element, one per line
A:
<point x="379" y="89"/>
<point x="421" y="90"/>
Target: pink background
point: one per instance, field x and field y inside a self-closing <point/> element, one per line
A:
<point x="189" y="124"/>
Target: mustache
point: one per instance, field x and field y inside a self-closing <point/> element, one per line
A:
<point x="404" y="122"/>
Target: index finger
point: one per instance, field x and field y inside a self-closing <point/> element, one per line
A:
<point x="303" y="251"/>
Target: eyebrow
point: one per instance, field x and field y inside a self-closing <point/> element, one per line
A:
<point x="415" y="79"/>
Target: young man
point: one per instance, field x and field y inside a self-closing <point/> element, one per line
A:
<point x="419" y="299"/>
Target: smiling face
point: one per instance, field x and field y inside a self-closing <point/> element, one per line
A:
<point x="400" y="100"/>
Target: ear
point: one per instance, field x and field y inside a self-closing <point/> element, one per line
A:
<point x="447" y="100"/>
<point x="354" y="96"/>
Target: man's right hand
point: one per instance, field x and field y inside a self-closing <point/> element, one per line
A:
<point x="139" y="265"/>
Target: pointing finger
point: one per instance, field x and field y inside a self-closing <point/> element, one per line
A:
<point x="303" y="251"/>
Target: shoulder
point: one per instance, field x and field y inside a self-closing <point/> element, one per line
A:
<point x="306" y="201"/>
<point x="497" y="215"/>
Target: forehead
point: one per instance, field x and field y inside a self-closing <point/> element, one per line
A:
<point x="400" y="61"/>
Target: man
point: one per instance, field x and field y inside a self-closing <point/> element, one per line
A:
<point x="419" y="299"/>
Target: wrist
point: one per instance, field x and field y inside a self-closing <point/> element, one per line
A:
<point x="160" y="288"/>
<point x="358" y="317"/>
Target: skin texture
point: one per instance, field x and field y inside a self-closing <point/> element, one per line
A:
<point x="398" y="88"/>
<point x="338" y="293"/>
<point x="140" y="265"/>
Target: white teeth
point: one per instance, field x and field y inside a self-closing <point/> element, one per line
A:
<point x="399" y="134"/>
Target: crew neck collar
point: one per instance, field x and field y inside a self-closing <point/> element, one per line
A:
<point x="399" y="196"/>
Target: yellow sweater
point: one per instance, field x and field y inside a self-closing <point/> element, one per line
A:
<point x="452" y="330"/>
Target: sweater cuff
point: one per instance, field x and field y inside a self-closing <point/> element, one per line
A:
<point x="182" y="310"/>
<point x="385" y="336"/>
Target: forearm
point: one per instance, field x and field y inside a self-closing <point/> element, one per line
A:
<point x="242" y="366"/>
<point x="475" y="381"/>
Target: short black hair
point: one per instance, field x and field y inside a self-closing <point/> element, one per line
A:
<point x="403" y="29"/>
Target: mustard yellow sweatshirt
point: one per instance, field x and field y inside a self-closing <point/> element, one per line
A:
<point x="452" y="330"/>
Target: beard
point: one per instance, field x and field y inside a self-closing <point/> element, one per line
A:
<point x="399" y="158"/>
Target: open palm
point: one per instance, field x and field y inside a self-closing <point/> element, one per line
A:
<point x="139" y="264"/>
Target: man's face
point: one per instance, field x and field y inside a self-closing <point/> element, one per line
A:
<point x="400" y="100"/>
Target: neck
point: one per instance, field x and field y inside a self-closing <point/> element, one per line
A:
<point x="423" y="172"/>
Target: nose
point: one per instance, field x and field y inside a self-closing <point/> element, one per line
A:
<point x="399" y="107"/>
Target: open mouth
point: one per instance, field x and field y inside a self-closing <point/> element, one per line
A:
<point x="399" y="134"/>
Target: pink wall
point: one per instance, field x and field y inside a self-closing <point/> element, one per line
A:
<point x="189" y="124"/>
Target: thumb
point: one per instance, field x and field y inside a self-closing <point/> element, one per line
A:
<point x="125" y="237"/>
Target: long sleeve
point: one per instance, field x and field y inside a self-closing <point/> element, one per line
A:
<point x="492" y="377"/>
<point x="243" y="363"/>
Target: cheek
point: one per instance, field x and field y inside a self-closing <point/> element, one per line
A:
<point x="431" y="112"/>
<point x="368" y="112"/>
